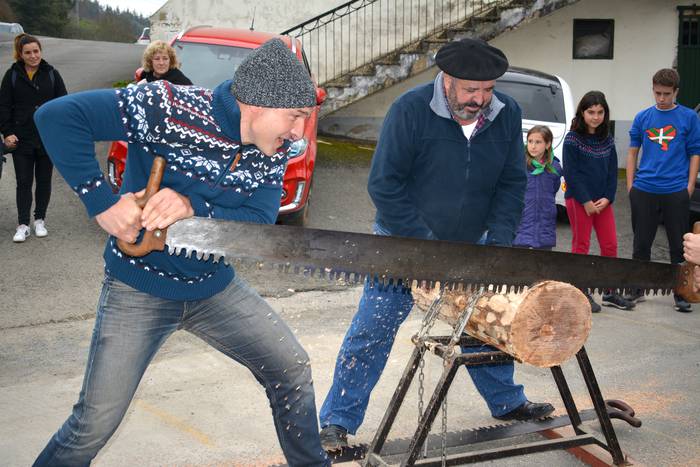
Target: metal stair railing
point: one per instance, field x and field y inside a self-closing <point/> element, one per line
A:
<point x="361" y="32"/>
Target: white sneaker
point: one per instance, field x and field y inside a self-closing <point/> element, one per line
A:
<point x="40" y="228"/>
<point x="22" y="233"/>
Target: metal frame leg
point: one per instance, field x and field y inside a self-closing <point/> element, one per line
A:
<point x="567" y="398"/>
<point x="452" y="363"/>
<point x="613" y="446"/>
<point x="395" y="404"/>
<point x="448" y="373"/>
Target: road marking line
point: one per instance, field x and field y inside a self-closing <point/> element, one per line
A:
<point x="175" y="422"/>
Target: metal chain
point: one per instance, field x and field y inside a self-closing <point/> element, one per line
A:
<point x="421" y="391"/>
<point x="427" y="324"/>
<point x="465" y="315"/>
<point x="430" y="317"/>
<point x="444" y="431"/>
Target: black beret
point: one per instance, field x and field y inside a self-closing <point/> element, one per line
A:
<point x="471" y="59"/>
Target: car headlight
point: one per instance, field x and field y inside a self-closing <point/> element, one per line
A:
<point x="297" y="148"/>
<point x="111" y="173"/>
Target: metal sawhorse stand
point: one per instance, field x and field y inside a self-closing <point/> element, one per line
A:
<point x="444" y="347"/>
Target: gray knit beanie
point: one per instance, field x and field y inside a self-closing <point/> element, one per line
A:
<point x="272" y="76"/>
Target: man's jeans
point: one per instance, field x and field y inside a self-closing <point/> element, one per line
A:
<point x="366" y="348"/>
<point x="129" y="329"/>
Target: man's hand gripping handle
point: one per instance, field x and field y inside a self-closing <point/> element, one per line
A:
<point x="153" y="240"/>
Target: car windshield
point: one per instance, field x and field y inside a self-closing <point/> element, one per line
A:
<point x="208" y="65"/>
<point x="544" y="103"/>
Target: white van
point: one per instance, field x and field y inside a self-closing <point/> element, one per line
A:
<point x="8" y="31"/>
<point x="145" y="37"/>
<point x="544" y="100"/>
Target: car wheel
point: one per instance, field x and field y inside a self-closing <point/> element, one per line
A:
<point x="299" y="217"/>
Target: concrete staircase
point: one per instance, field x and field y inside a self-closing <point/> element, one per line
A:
<point x="419" y="55"/>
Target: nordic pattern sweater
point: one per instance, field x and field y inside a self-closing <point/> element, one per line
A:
<point x="197" y="131"/>
<point x="590" y="167"/>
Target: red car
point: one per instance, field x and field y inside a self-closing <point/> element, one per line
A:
<point x="210" y="56"/>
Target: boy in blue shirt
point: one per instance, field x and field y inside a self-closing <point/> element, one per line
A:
<point x="669" y="136"/>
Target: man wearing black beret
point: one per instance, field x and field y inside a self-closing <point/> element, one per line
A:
<point x="449" y="165"/>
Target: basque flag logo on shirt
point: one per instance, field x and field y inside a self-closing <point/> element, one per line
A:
<point x="662" y="135"/>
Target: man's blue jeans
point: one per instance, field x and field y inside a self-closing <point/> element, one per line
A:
<point x="129" y="329"/>
<point x="366" y="348"/>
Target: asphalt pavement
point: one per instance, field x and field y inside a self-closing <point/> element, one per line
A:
<point x="194" y="407"/>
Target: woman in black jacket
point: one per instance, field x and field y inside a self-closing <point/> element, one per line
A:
<point x="28" y="83"/>
<point x="160" y="62"/>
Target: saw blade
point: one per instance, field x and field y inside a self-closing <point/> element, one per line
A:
<point x="461" y="438"/>
<point x="390" y="260"/>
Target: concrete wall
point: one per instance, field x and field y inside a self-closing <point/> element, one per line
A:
<point x="270" y="15"/>
<point x="645" y="39"/>
<point x="363" y="119"/>
<point x="646" y="36"/>
<point x="356" y="39"/>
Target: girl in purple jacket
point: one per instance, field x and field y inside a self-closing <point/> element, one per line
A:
<point x="538" y="226"/>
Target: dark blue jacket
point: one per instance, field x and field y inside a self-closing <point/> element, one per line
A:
<point x="428" y="181"/>
<point x="538" y="227"/>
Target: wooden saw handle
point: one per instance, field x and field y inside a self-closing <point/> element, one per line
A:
<point x="152" y="240"/>
<point x="685" y="282"/>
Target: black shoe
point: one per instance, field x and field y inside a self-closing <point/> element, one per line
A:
<point x="635" y="297"/>
<point x="616" y="300"/>
<point x="528" y="411"/>
<point x="334" y="438"/>
<point x="681" y="305"/>
<point x="595" y="308"/>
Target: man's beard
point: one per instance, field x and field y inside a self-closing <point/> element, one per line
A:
<point x="460" y="110"/>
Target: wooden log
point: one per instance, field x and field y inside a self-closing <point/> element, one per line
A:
<point x="544" y="325"/>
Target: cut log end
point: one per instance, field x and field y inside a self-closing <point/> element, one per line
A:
<point x="544" y="326"/>
<point x="552" y="324"/>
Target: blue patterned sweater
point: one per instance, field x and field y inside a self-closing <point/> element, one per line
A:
<point x="590" y="167"/>
<point x="197" y="131"/>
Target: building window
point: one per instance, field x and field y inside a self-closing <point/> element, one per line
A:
<point x="690" y="27"/>
<point x="593" y="39"/>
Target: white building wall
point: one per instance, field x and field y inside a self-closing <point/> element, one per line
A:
<point x="370" y="32"/>
<point x="645" y="39"/>
<point x="270" y="15"/>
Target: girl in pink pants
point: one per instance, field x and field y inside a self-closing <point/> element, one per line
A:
<point x="590" y="171"/>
